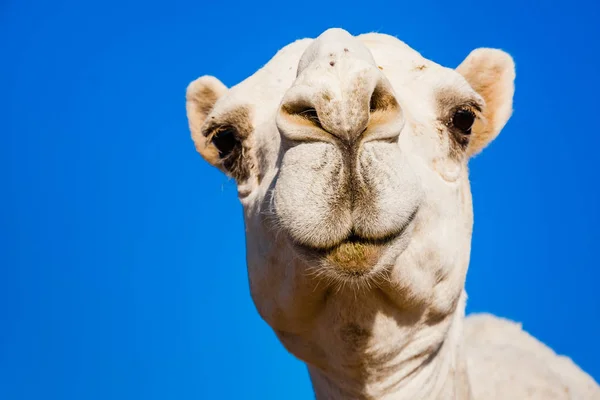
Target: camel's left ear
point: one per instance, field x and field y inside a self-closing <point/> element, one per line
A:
<point x="491" y="73"/>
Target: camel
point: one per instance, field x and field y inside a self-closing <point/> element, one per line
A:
<point x="350" y="155"/>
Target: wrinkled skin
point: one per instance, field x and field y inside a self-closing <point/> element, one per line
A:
<point x="350" y="155"/>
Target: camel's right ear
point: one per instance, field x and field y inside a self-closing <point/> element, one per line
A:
<point x="201" y="96"/>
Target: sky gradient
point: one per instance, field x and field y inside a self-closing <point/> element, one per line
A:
<point x="122" y="263"/>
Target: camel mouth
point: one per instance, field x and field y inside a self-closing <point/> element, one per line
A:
<point x="353" y="240"/>
<point x="355" y="257"/>
<point x="351" y="258"/>
<point x="356" y="239"/>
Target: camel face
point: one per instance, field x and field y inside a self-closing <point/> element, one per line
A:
<point x="350" y="155"/>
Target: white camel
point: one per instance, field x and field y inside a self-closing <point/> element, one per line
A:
<point x="350" y="156"/>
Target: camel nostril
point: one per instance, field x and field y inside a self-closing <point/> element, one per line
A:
<point x="311" y="114"/>
<point x="382" y="100"/>
<point x="302" y="110"/>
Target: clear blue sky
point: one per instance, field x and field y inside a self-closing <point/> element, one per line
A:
<point x="122" y="271"/>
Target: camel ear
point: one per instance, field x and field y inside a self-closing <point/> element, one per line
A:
<point x="491" y="73"/>
<point x="201" y="96"/>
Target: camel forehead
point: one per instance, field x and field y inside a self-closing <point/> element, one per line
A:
<point x="418" y="82"/>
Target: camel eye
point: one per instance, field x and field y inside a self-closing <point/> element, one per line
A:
<point x="225" y="140"/>
<point x="463" y="120"/>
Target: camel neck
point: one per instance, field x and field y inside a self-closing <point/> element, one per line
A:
<point x="422" y="370"/>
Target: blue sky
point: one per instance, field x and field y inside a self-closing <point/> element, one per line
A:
<point x="122" y="269"/>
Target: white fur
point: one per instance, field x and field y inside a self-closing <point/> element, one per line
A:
<point x="398" y="330"/>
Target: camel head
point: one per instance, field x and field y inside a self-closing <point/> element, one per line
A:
<point x="350" y="156"/>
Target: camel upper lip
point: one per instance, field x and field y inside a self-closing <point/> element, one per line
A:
<point x="357" y="239"/>
<point x="382" y="240"/>
<point x="353" y="237"/>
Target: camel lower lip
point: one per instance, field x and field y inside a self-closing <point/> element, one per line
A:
<point x="352" y="258"/>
